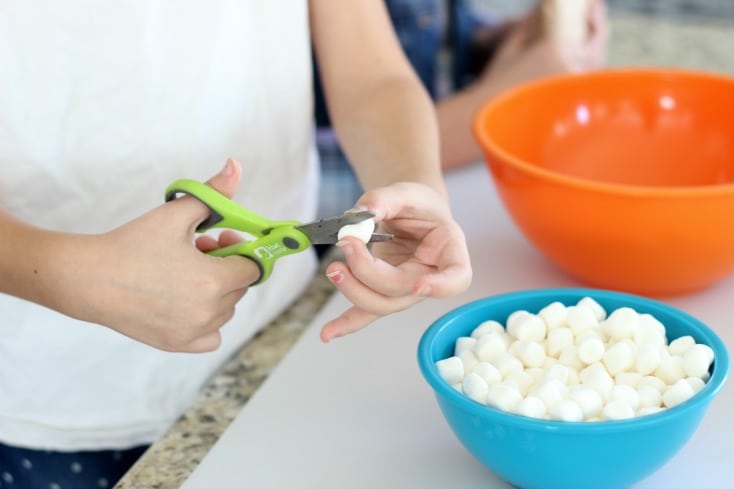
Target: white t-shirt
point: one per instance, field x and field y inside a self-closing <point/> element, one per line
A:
<point x="102" y="105"/>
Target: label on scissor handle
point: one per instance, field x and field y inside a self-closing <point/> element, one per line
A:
<point x="266" y="250"/>
<point x="274" y="239"/>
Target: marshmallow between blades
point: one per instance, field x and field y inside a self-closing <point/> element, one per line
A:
<point x="362" y="230"/>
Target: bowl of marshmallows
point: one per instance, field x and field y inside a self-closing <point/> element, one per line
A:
<point x="572" y="388"/>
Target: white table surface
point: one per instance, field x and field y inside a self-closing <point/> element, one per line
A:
<point x="356" y="413"/>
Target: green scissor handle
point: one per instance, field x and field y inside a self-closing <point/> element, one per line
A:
<point x="275" y="239"/>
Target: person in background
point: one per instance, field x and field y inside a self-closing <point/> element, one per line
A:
<point x="463" y="57"/>
<point x="111" y="316"/>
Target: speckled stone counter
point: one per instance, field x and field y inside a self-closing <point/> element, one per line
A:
<point x="168" y="462"/>
<point x="662" y="33"/>
<point x="703" y="44"/>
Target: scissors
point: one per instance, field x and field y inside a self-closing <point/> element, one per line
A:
<point x="274" y="239"/>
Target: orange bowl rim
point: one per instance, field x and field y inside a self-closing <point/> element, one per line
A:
<point x="485" y="141"/>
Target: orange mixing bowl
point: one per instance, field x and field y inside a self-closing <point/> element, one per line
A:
<point x="623" y="178"/>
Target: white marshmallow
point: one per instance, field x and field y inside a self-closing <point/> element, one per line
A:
<point x="653" y="381"/>
<point x="566" y="410"/>
<point x="514" y="318"/>
<point x="536" y="373"/>
<point x="489" y="345"/>
<point x="531" y="406"/>
<point x="554" y="315"/>
<point x="631" y="379"/>
<point x="581" y="318"/>
<point x="522" y="380"/>
<point x="670" y="370"/>
<point x="680" y="345"/>
<point x="475" y="387"/>
<point x="650" y="330"/>
<point x="588" y="399"/>
<point x="647" y="319"/>
<point x="648" y="410"/>
<point x="618" y="409"/>
<point x="515" y="346"/>
<point x="506" y="362"/>
<point x="464" y="343"/>
<point x="708" y="350"/>
<point x="625" y="393"/>
<point x="589" y="333"/>
<point x="451" y="369"/>
<point x="573" y="377"/>
<point x="647" y="358"/>
<point x="594" y="370"/>
<point x="488" y="372"/>
<point x="362" y="230"/>
<point x="622" y="323"/>
<point x="677" y="393"/>
<point x="549" y="391"/>
<point x="697" y="360"/>
<point x="596" y="377"/>
<point x="619" y="357"/>
<point x="528" y="327"/>
<point x="558" y="339"/>
<point x="530" y="353"/>
<point x="570" y="358"/>
<point x="503" y="397"/>
<point x="599" y="312"/>
<point x="557" y="371"/>
<point x="549" y="362"/>
<point x="469" y="359"/>
<point x="591" y="349"/>
<point x="488" y="327"/>
<point x="458" y="387"/>
<point x="649" y="396"/>
<point x="696" y="383"/>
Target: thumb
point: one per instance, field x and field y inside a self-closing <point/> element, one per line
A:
<point x="228" y="179"/>
<point x="224" y="182"/>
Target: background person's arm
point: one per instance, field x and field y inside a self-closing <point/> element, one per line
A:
<point x="528" y="51"/>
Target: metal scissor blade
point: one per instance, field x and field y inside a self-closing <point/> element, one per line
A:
<point x="325" y="231"/>
<point x="380" y="237"/>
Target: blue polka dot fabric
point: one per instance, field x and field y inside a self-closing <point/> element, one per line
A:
<point x="22" y="468"/>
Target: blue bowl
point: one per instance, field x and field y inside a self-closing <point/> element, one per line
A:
<point x="532" y="453"/>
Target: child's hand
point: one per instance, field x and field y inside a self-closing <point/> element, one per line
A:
<point x="428" y="257"/>
<point x="527" y="53"/>
<point x="151" y="283"/>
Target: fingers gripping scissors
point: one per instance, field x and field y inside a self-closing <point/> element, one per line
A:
<point x="274" y="239"/>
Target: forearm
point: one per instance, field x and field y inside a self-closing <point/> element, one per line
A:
<point x="36" y="264"/>
<point x="384" y="118"/>
<point x="390" y="135"/>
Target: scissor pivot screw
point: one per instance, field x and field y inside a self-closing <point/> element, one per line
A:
<point x="290" y="243"/>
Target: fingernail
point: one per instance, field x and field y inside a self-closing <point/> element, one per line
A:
<point x="424" y="291"/>
<point x="356" y="208"/>
<point x="228" y="168"/>
<point x="345" y="246"/>
<point x="337" y="277"/>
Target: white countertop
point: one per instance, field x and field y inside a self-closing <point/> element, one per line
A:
<point x="356" y="413"/>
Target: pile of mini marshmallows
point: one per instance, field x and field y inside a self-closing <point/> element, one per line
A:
<point x="575" y="363"/>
